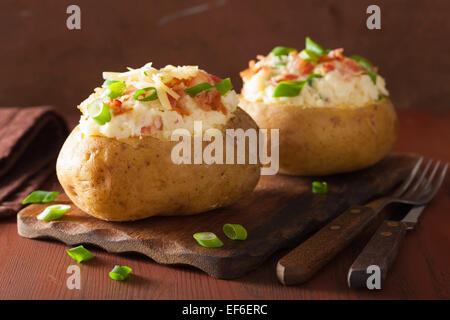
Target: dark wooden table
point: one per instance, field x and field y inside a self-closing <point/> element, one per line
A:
<point x="37" y="269"/>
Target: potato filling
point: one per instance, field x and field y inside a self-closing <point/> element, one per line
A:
<point x="313" y="77"/>
<point x="154" y="102"/>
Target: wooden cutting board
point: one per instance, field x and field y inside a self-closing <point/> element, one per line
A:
<point x="281" y="212"/>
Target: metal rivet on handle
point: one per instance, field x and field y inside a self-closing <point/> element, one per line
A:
<point x="355" y="211"/>
<point x="386" y="234"/>
<point x="392" y="224"/>
<point x="335" y="227"/>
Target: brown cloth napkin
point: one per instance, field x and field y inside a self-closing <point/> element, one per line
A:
<point x="30" y="139"/>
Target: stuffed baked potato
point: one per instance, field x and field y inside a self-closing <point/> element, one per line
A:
<point x="117" y="164"/>
<point x="332" y="111"/>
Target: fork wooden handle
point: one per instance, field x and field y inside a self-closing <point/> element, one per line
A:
<point x="305" y="260"/>
<point x="380" y="251"/>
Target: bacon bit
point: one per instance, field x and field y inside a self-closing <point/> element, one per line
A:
<point x="286" y="77"/>
<point x="336" y="54"/>
<point x="328" y="67"/>
<point x="156" y="124"/>
<point x="210" y="101"/>
<point x="116" y="106"/>
<point x="304" y="67"/>
<point x="353" y="66"/>
<point x="215" y="78"/>
<point x="350" y="69"/>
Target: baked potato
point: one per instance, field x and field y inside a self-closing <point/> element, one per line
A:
<point x="115" y="175"/>
<point x="333" y="112"/>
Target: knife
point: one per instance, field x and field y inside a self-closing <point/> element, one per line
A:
<point x="382" y="249"/>
<point x="304" y="261"/>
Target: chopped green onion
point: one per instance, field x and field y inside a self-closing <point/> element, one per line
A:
<point x="208" y="239"/>
<point x="282" y="51"/>
<point x="310" y="78"/>
<point x="114" y="88"/>
<point x="288" y="88"/>
<point x="308" y="55"/>
<point x="80" y="253"/>
<point x="380" y="97"/>
<point x="195" y="90"/>
<point x="153" y="95"/>
<point x="319" y="187"/>
<point x="120" y="272"/>
<point x="366" y="65"/>
<point x="40" y="196"/>
<point x="53" y="212"/>
<point x="314" y="47"/>
<point x="99" y="111"/>
<point x="224" y="86"/>
<point x="235" y="231"/>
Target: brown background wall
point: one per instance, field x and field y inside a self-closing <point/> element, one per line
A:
<point x="42" y="62"/>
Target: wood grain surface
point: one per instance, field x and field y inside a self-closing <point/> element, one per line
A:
<point x="37" y="269"/>
<point x="281" y="211"/>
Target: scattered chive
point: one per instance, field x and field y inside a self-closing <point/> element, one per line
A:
<point x="314" y="47"/>
<point x="282" y="51"/>
<point x="288" y="88"/>
<point x="234" y="231"/>
<point x="120" y="272"/>
<point x="153" y="95"/>
<point x="380" y="97"/>
<point x="40" y="196"/>
<point x="53" y="212"/>
<point x="99" y="111"/>
<point x="114" y="88"/>
<point x="80" y="254"/>
<point x="195" y="90"/>
<point x="208" y="239"/>
<point x="319" y="187"/>
<point x="310" y="78"/>
<point x="224" y="86"/>
<point x="366" y="65"/>
<point x="308" y="55"/>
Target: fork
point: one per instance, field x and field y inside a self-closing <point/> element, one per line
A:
<point x="384" y="245"/>
<point x="303" y="262"/>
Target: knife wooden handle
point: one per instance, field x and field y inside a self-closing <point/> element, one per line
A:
<point x="381" y="251"/>
<point x="305" y="260"/>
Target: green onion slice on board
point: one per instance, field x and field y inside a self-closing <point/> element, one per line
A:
<point x="366" y="65"/>
<point x="53" y="212"/>
<point x="114" y="88"/>
<point x="80" y="254"/>
<point x="146" y="94"/>
<point x="288" y="88"/>
<point x="235" y="231"/>
<point x="208" y="239"/>
<point x="319" y="187"/>
<point x="40" y="196"/>
<point x="99" y="111"/>
<point x="120" y="272"/>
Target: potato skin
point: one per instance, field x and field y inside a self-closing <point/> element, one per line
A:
<point x="130" y="179"/>
<point x="328" y="140"/>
